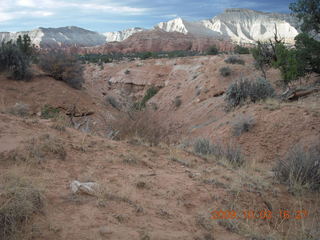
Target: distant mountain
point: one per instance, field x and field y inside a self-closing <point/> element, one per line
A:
<point x="158" y="40"/>
<point x="239" y="25"/>
<point x="236" y="24"/>
<point x="121" y="35"/>
<point x="59" y="37"/>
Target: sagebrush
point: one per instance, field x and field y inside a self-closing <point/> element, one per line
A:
<point x="225" y="71"/>
<point x="243" y="90"/>
<point x="300" y="167"/>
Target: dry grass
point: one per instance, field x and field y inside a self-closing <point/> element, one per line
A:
<point x="19" y="200"/>
<point x="242" y="123"/>
<point x="37" y="150"/>
<point x="140" y="126"/>
<point x="300" y="169"/>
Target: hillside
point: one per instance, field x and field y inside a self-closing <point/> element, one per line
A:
<point x="152" y="184"/>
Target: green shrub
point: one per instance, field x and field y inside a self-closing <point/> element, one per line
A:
<point x="244" y="90"/>
<point x="234" y="60"/>
<point x="241" y="50"/>
<point x="49" y="111"/>
<point x="225" y="71"/>
<point x="308" y="53"/>
<point x="300" y="167"/>
<point x="213" y="50"/>
<point x="14" y="61"/>
<point x="291" y="67"/>
<point x="63" y="67"/>
<point x="263" y="55"/>
<point x="148" y="95"/>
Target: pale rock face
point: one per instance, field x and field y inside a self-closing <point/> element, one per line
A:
<point x="121" y="35"/>
<point x="236" y="24"/>
<point x="185" y="27"/>
<point x="57" y="37"/>
<point x="239" y="25"/>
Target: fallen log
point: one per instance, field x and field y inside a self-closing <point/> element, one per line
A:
<point x="295" y="94"/>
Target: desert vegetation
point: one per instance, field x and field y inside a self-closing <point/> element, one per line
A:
<point x="63" y="67"/>
<point x="300" y="167"/>
<point x="15" y="58"/>
<point x="243" y="90"/>
<point x="184" y="148"/>
<point x="234" y="60"/>
<point x="225" y="71"/>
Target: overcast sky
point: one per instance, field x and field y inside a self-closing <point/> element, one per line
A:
<point x="113" y="15"/>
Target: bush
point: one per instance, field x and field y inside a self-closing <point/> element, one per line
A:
<point x="49" y="111"/>
<point x="140" y="126"/>
<point x="263" y="55"/>
<point x="14" y="61"/>
<point x="177" y="101"/>
<point x="63" y="67"/>
<point x="291" y="67"/>
<point x="230" y="153"/>
<point x="300" y="167"/>
<point x="20" y="109"/>
<point x="225" y="71"/>
<point x="244" y="90"/>
<point x="148" y="95"/>
<point x="233" y="155"/>
<point x="213" y="50"/>
<point x="241" y="50"/>
<point x="242" y="124"/>
<point x="203" y="146"/>
<point x="21" y="200"/>
<point x="234" y="60"/>
<point x="308" y="53"/>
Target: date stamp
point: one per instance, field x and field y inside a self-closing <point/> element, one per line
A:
<point x="260" y="214"/>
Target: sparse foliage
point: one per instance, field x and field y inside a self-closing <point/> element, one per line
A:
<point x="230" y="152"/>
<point x="263" y="55"/>
<point x="213" y="50"/>
<point x="63" y="67"/>
<point x="244" y="90"/>
<point x="300" y="167"/>
<point x="21" y="201"/>
<point x="49" y="111"/>
<point x="241" y="50"/>
<point x="225" y="71"/>
<point x="242" y="124"/>
<point x="234" y="60"/>
<point x="152" y="91"/>
<point x="309" y="12"/>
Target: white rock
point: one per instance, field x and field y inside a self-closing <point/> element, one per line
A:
<point x="239" y="25"/>
<point x="121" y="35"/>
<point x="90" y="188"/>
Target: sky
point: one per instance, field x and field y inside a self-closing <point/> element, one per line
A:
<point x="113" y="15"/>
